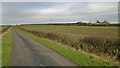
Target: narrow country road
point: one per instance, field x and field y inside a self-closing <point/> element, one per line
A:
<point x="27" y="52"/>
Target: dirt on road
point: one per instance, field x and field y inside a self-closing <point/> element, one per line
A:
<point x="27" y="52"/>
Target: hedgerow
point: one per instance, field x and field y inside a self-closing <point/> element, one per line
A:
<point x="4" y="30"/>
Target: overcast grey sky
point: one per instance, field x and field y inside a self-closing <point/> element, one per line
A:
<point x="42" y="12"/>
<point x="60" y="0"/>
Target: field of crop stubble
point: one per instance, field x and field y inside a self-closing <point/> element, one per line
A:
<point x="101" y="31"/>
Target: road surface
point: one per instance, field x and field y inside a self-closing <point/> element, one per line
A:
<point x="27" y="52"/>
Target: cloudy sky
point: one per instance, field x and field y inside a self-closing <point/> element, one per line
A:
<point x="43" y="12"/>
<point x="60" y="0"/>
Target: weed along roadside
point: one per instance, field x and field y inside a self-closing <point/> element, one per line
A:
<point x="86" y="55"/>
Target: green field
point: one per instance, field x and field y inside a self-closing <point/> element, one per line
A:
<point x="7" y="43"/>
<point x="102" y="31"/>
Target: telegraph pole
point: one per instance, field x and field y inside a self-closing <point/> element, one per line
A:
<point x="90" y="21"/>
<point x="51" y="20"/>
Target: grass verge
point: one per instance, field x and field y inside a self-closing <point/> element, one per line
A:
<point x="0" y="50"/>
<point x="75" y="56"/>
<point x="7" y="42"/>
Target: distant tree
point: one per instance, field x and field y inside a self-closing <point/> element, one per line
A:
<point x="80" y="22"/>
<point x="105" y="21"/>
<point x="97" y="21"/>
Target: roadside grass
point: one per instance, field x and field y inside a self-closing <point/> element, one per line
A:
<point x="0" y="51"/>
<point x="77" y="57"/>
<point x="7" y="48"/>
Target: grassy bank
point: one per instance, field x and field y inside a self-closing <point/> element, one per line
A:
<point x="7" y="42"/>
<point x="75" y="56"/>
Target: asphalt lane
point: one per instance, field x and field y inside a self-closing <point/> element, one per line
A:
<point x="27" y="52"/>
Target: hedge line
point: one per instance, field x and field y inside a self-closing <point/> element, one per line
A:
<point x="4" y="30"/>
<point x="96" y="45"/>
